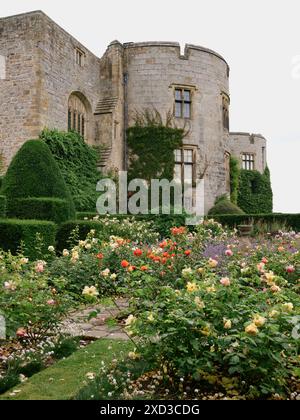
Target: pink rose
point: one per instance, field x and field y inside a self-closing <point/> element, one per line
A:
<point x="39" y="268"/>
<point x="264" y="261"/>
<point x="229" y="253"/>
<point x="51" y="302"/>
<point x="225" y="282"/>
<point x="290" y="269"/>
<point x="21" y="332"/>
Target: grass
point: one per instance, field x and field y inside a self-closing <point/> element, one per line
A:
<point x="64" y="380"/>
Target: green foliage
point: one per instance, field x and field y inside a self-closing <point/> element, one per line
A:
<point x="16" y="234"/>
<point x="65" y="347"/>
<point x="291" y="221"/>
<point x="234" y="179"/>
<point x="52" y="209"/>
<point x="32" y="307"/>
<point x="33" y="173"/>
<point x="224" y="206"/>
<point x="161" y="223"/>
<point x="255" y="192"/>
<point x="8" y="381"/>
<point x="123" y="226"/>
<point x="2" y="206"/>
<point x="83" y="227"/>
<point x="152" y="143"/>
<point x="78" y="164"/>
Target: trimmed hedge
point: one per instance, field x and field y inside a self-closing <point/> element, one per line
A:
<point x="52" y="209"/>
<point x="15" y="232"/>
<point x="290" y="220"/>
<point x="33" y="172"/>
<point x="2" y="206"/>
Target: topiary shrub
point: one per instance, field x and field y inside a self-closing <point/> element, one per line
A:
<point x="33" y="173"/>
<point x="224" y="206"/>
<point x="16" y="234"/>
<point x="2" y="206"/>
<point x="53" y="209"/>
<point x="255" y="192"/>
<point x="78" y="164"/>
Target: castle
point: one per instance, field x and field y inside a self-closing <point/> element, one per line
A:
<point x="48" y="79"/>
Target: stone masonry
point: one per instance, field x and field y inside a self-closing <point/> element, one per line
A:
<point x="42" y="67"/>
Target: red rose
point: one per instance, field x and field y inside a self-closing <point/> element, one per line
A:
<point x="125" y="264"/>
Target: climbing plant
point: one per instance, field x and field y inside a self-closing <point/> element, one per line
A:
<point x="78" y="164"/>
<point x="255" y="192"/>
<point x="151" y="142"/>
<point x="234" y="179"/>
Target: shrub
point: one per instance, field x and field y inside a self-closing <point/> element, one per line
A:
<point x="16" y="234"/>
<point x="291" y="221"/>
<point x="224" y="206"/>
<point x="65" y="347"/>
<point x="78" y="164"/>
<point x="123" y="226"/>
<point x="255" y="192"/>
<point x="52" y="209"/>
<point x="234" y="179"/>
<point x="2" y="206"/>
<point x="227" y="323"/>
<point x="33" y="173"/>
<point x="161" y="223"/>
<point x="32" y="307"/>
<point x="7" y="382"/>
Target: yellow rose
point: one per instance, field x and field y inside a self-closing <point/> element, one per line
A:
<point x="212" y="263"/>
<point x="270" y="277"/>
<point x="288" y="307"/>
<point x="259" y="321"/>
<point x="192" y="287"/>
<point x="251" y="329"/>
<point x="199" y="302"/>
<point x="227" y="324"/>
<point x="273" y="314"/>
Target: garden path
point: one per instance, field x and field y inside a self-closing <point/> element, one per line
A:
<point x="103" y="325"/>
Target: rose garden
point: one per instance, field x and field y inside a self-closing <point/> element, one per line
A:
<point x="169" y="311"/>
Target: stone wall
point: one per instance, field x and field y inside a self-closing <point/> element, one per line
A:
<point x="154" y="70"/>
<point x="255" y="144"/>
<point x="20" y="83"/>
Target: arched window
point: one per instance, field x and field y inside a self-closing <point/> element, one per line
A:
<point x="77" y="115"/>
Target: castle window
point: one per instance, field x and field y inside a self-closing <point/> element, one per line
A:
<point x="248" y="161"/>
<point x="263" y="151"/>
<point x="79" y="57"/>
<point x="183" y="103"/>
<point x="76" y="115"/>
<point x="225" y="111"/>
<point x="185" y="165"/>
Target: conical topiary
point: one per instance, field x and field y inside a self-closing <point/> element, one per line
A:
<point x="33" y="173"/>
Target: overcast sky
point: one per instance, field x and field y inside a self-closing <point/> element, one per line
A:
<point x="260" y="39"/>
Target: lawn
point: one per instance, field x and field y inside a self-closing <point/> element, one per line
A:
<point x="65" y="379"/>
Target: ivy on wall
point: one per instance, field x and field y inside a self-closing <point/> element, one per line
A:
<point x="151" y="143"/>
<point x="255" y="194"/>
<point x="234" y="179"/>
<point x="78" y="164"/>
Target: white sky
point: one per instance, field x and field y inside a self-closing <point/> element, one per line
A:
<point x="260" y="39"/>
